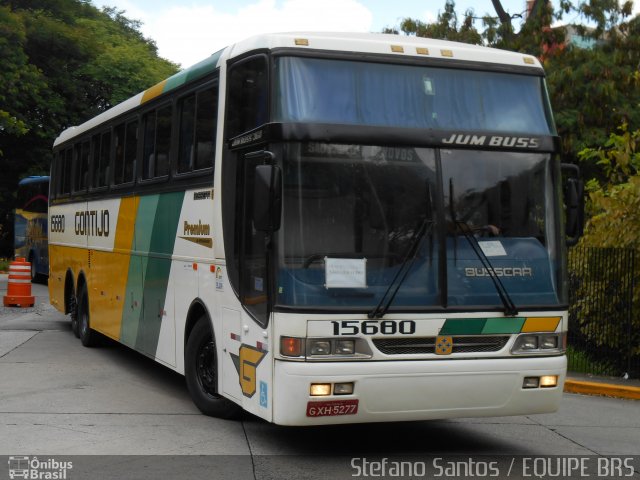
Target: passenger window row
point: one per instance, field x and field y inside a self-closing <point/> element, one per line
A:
<point x="173" y="139"/>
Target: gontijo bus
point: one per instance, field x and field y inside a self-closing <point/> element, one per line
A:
<point x="326" y="228"/>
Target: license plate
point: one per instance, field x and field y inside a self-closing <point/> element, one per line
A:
<point x="332" y="408"/>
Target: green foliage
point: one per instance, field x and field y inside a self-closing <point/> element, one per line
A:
<point x="614" y="221"/>
<point x="63" y="62"/>
<point x="614" y="204"/>
<point x="446" y="26"/>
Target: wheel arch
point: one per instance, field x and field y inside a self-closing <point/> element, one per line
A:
<point x="196" y="310"/>
<point x="69" y="290"/>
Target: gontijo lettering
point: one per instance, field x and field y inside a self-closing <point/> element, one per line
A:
<point x="92" y="223"/>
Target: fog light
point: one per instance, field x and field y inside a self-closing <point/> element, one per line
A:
<point x="345" y="347"/>
<point x="320" y="389"/>
<point x="548" y="381"/>
<point x="320" y="347"/>
<point x="549" y="341"/>
<point x="531" y="382"/>
<point x="291" y="346"/>
<point x="343" y="389"/>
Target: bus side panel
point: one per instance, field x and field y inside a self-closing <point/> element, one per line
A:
<point x="109" y="271"/>
<point x="192" y="271"/>
<point x="67" y="250"/>
<point x="149" y="269"/>
<point x="156" y="281"/>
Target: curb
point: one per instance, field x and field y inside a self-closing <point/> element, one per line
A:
<point x="606" y="389"/>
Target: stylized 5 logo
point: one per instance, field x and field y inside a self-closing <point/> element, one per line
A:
<point x="246" y="362"/>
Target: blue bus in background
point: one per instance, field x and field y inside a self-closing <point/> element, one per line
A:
<point x="31" y="227"/>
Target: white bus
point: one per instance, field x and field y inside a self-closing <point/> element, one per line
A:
<point x="326" y="228"/>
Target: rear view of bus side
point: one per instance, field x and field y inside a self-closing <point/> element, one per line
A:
<point x="326" y="228"/>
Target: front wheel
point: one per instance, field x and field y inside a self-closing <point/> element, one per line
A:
<point x="201" y="373"/>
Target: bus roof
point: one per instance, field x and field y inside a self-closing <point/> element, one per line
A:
<point x="366" y="43"/>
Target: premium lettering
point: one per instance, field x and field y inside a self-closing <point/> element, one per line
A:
<point x="197" y="228"/>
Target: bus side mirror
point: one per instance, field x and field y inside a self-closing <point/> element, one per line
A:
<point x="267" y="198"/>
<point x="573" y="188"/>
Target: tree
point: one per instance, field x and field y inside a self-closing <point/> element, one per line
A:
<point x="64" y="61"/>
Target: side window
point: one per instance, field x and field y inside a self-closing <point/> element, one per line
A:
<point x="65" y="171"/>
<point x="157" y="143"/>
<point x="187" y="130"/>
<point x="126" y="144"/>
<point x="82" y="166"/>
<point x="206" y="123"/>
<point x="248" y="96"/>
<point x="101" y="144"/>
<point x="198" y="121"/>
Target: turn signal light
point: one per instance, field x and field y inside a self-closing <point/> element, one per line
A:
<point x="291" y="346"/>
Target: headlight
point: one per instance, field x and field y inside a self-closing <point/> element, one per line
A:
<point x="324" y="349"/>
<point x="538" y="343"/>
<point x="319" y="347"/>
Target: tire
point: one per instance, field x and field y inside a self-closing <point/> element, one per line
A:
<point x="73" y="313"/>
<point x="201" y="373"/>
<point x="87" y="336"/>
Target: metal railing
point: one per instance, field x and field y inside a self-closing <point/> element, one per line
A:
<point x="604" y="328"/>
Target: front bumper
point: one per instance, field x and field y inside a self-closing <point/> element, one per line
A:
<point x="419" y="390"/>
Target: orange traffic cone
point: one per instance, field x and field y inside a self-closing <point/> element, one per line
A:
<point x="19" y="286"/>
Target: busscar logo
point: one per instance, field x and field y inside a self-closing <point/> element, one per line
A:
<point x="492" y="141"/>
<point x="500" y="272"/>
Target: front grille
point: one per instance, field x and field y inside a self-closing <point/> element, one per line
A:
<point x="421" y="345"/>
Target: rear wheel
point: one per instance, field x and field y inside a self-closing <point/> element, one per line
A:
<point x="73" y="312"/>
<point x="87" y="336"/>
<point x="201" y="373"/>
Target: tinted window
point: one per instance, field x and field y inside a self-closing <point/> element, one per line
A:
<point x="248" y="96"/>
<point x="157" y="142"/>
<point x="198" y="114"/>
<point x="126" y="143"/>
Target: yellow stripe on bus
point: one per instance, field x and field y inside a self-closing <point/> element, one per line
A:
<point x="541" y="324"/>
<point x="110" y="273"/>
<point x="153" y="92"/>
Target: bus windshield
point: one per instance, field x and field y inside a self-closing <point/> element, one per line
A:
<point x="407" y="96"/>
<point x="352" y="213"/>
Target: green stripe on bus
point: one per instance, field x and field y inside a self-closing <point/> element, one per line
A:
<point x="503" y="325"/>
<point x="463" y="326"/>
<point x="145" y="216"/>
<point x="156" y="269"/>
<point x="198" y="70"/>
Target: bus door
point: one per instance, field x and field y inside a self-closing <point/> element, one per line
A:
<point x="247" y="361"/>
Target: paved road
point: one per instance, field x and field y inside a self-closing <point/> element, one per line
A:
<point x="59" y="398"/>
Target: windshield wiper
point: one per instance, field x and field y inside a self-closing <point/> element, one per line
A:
<point x="404" y="269"/>
<point x="510" y="308"/>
